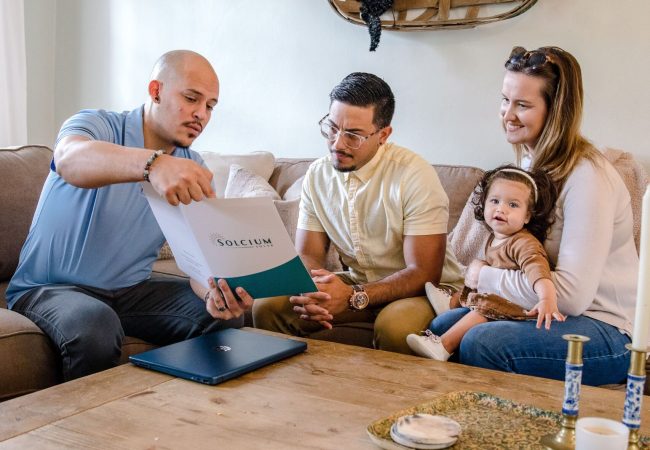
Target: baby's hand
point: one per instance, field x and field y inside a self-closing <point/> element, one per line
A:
<point x="546" y="311"/>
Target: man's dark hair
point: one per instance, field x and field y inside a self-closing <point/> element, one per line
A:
<point x="365" y="89"/>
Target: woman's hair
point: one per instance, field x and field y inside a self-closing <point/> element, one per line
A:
<point x="541" y="211"/>
<point x="560" y="145"/>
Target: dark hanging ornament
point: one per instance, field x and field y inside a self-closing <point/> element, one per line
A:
<point x="370" y="12"/>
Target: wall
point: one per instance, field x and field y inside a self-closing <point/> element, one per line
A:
<point x="277" y="61"/>
<point x="40" y="38"/>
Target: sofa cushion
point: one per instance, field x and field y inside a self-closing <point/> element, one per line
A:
<point x="244" y="183"/>
<point x="260" y="163"/>
<point x="3" y="290"/>
<point x="22" y="171"/>
<point x="288" y="210"/>
<point x="467" y="239"/>
<point x="165" y="252"/>
<point x="133" y="346"/>
<point x="287" y="171"/>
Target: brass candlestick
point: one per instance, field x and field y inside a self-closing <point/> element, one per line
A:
<point x="565" y="439"/>
<point x="634" y="395"/>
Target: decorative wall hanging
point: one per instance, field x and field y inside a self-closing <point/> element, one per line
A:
<point x="413" y="15"/>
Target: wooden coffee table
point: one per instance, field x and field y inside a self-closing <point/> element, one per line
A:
<point x="324" y="398"/>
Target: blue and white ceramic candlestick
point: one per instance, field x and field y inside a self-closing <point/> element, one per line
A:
<point x="634" y="395"/>
<point x="565" y="439"/>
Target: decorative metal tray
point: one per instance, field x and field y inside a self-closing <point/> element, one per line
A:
<point x="487" y="422"/>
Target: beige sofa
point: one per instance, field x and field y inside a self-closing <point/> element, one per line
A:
<point x="28" y="362"/>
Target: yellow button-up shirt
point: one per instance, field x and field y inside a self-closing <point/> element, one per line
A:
<point x="366" y="213"/>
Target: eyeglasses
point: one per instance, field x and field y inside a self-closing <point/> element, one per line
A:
<point x="520" y="58"/>
<point x="350" y="140"/>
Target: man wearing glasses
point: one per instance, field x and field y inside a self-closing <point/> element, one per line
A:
<point x="385" y="211"/>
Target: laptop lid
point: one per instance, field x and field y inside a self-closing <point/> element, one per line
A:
<point x="217" y="357"/>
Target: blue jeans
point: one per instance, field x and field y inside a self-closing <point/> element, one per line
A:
<point x="86" y="325"/>
<point x="519" y="347"/>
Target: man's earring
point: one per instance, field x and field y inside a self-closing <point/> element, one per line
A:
<point x="156" y="99"/>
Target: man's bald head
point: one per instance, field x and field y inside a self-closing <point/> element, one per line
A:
<point x="176" y="62"/>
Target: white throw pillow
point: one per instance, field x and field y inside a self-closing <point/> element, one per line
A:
<point x="288" y="210"/>
<point x="244" y="183"/>
<point x="260" y="163"/>
<point x="295" y="190"/>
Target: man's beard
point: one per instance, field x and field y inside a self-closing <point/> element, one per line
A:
<point x="337" y="166"/>
<point x="344" y="169"/>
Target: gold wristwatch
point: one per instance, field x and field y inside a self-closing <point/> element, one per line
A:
<point x="359" y="299"/>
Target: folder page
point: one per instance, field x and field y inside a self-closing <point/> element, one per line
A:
<point x="241" y="240"/>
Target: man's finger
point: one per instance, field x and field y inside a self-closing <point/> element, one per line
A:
<point x="312" y="310"/>
<point x="231" y="302"/>
<point x="247" y="300"/>
<point x="204" y="184"/>
<point x="299" y="300"/>
<point x="172" y="198"/>
<point x="217" y="309"/>
<point x="184" y="196"/>
<point x="195" y="192"/>
<point x="324" y="278"/>
<point x="317" y="318"/>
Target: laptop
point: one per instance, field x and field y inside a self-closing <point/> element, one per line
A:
<point x="217" y="357"/>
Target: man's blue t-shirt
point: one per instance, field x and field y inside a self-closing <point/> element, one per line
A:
<point x="106" y="237"/>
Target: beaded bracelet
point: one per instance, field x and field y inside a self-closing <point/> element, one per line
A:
<point x="147" y="166"/>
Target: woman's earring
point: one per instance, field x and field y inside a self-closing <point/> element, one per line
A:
<point x="156" y="99"/>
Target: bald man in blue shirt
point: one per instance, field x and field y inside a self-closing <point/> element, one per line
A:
<point x="84" y="270"/>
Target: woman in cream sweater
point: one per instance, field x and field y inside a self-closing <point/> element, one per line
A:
<point x="590" y="245"/>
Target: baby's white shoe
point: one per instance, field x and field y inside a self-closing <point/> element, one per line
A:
<point x="429" y="345"/>
<point x="438" y="298"/>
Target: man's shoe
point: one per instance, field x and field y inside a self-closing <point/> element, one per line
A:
<point x="428" y="345"/>
<point x="438" y="298"/>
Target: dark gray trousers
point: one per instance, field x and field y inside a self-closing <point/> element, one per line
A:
<point x="86" y="325"/>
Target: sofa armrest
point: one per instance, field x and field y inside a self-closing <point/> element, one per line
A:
<point x="28" y="361"/>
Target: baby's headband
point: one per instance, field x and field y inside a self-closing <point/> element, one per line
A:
<point x="523" y="174"/>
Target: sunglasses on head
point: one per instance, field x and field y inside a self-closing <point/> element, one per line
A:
<point x="520" y="58"/>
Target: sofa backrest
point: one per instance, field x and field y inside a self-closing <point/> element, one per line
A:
<point x="636" y="180"/>
<point x="23" y="171"/>
<point x="457" y="181"/>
